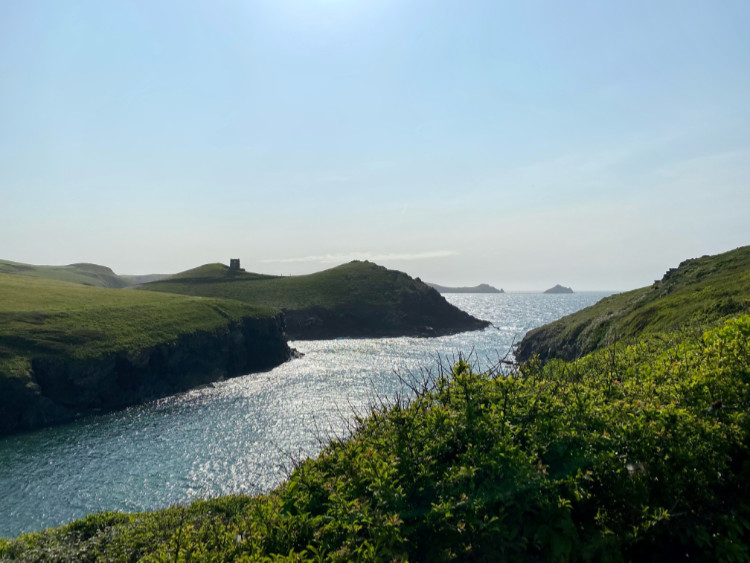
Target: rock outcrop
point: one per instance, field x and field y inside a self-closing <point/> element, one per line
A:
<point x="559" y="289"/>
<point x="481" y="288"/>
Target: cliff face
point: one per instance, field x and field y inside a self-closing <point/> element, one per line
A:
<point x="61" y="388"/>
<point x="415" y="314"/>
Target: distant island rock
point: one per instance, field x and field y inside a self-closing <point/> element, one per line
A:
<point x="559" y="289"/>
<point x="481" y="288"/>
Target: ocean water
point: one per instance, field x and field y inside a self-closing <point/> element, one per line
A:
<point x="242" y="435"/>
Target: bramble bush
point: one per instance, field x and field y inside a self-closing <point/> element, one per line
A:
<point x="632" y="453"/>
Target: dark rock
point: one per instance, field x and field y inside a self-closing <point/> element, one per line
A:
<point x="559" y="289"/>
<point x="418" y="314"/>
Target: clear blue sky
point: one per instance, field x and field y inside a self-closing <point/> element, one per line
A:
<point x="523" y="144"/>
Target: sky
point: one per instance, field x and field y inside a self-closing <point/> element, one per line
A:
<point x="522" y="144"/>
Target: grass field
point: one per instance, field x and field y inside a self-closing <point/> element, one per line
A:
<point x="41" y="317"/>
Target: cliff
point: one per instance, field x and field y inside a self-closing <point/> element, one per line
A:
<point x="68" y="350"/>
<point x="358" y="299"/>
<point x="698" y="293"/>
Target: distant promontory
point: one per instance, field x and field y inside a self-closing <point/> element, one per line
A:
<point x="481" y="288"/>
<point x="559" y="289"/>
<point x="358" y="299"/>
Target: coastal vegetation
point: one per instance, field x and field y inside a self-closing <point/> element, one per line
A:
<point x="638" y="450"/>
<point x="698" y="293"/>
<point x="67" y="348"/>
<point x="354" y="299"/>
<point x="636" y="453"/>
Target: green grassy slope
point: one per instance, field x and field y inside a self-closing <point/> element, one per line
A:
<point x="144" y="278"/>
<point x="86" y="274"/>
<point x="635" y="454"/>
<point x="699" y="293"/>
<point x="348" y="284"/>
<point x="41" y="318"/>
<point x="348" y="300"/>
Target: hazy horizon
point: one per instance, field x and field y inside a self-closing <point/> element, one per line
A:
<point x="497" y="285"/>
<point x="594" y="145"/>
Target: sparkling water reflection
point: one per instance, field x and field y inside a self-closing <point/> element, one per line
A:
<point x="241" y="435"/>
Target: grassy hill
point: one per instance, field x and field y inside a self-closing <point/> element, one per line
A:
<point x="49" y="329"/>
<point x="85" y="274"/>
<point x="143" y="278"/>
<point x="82" y="273"/>
<point x="699" y="293"/>
<point x="635" y="454"/>
<point x="354" y="299"/>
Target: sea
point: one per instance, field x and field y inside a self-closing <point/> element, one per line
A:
<point x="243" y="435"/>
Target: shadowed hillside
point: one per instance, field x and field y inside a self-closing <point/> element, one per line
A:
<point x="358" y="299"/>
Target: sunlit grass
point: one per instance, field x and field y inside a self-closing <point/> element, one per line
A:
<point x="40" y="317"/>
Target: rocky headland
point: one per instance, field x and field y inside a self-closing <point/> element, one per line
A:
<point x="359" y="299"/>
<point x="481" y="288"/>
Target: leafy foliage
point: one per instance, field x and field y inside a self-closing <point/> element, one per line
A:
<point x="631" y="453"/>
